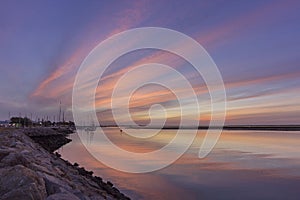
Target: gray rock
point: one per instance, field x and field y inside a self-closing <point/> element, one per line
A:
<point x="3" y="153"/>
<point x="15" y="158"/>
<point x="29" y="171"/>
<point x="62" y="196"/>
<point x="19" y="182"/>
<point x="55" y="185"/>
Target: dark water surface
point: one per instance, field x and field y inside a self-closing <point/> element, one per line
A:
<point x="243" y="165"/>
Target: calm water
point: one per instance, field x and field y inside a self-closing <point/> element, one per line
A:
<point x="243" y="165"/>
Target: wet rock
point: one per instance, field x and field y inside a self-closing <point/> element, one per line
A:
<point x="57" y="154"/>
<point x="110" y="184"/>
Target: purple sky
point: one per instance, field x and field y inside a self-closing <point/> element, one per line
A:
<point x="255" y="44"/>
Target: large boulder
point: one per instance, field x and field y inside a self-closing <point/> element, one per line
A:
<point x="63" y="196"/>
<point x="19" y="182"/>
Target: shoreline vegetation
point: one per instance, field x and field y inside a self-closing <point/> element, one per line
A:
<point x="30" y="170"/>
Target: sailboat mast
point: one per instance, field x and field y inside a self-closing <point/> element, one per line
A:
<point x="59" y="111"/>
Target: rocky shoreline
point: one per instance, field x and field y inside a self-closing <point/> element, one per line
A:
<point x="29" y="169"/>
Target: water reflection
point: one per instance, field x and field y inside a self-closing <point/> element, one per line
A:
<point x="89" y="136"/>
<point x="244" y="165"/>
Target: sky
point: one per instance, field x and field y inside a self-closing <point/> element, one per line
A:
<point x="255" y="45"/>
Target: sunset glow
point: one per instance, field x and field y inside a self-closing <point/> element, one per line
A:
<point x="254" y="44"/>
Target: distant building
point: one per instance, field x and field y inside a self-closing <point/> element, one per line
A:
<point x="4" y="123"/>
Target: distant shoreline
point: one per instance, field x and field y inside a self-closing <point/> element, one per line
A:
<point x="227" y="127"/>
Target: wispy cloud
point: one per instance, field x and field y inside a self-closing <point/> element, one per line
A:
<point x="60" y="82"/>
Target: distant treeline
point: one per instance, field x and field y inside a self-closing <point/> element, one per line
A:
<point x="26" y="122"/>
